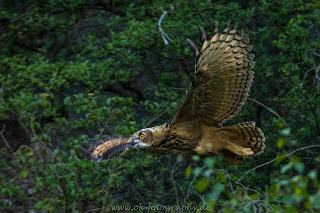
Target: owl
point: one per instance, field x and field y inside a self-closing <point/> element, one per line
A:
<point x="219" y="89"/>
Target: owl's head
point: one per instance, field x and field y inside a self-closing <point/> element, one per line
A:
<point x="142" y="139"/>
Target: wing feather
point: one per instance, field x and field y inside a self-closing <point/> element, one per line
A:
<point x="106" y="148"/>
<point x="222" y="80"/>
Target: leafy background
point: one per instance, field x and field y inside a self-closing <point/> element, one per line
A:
<point x="73" y="70"/>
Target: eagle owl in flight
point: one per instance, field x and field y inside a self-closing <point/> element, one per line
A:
<point x="217" y="93"/>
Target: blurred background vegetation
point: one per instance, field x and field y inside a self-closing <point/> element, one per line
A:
<point x="76" y="69"/>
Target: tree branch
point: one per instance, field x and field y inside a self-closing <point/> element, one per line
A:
<point x="156" y="117"/>
<point x="163" y="34"/>
<point x="270" y="110"/>
<point x="4" y="139"/>
<point x="266" y="163"/>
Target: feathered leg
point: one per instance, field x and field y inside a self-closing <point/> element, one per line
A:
<point x="238" y="150"/>
<point x="243" y="139"/>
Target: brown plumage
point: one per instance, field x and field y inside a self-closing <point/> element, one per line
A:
<point x="217" y="93"/>
<point x="106" y="148"/>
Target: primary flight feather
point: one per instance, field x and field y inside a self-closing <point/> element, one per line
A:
<point x="217" y="93"/>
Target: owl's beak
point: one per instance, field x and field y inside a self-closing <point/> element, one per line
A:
<point x="137" y="143"/>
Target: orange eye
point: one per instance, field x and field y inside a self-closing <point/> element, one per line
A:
<point x="141" y="136"/>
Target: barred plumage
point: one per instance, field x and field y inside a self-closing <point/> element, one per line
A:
<point x="223" y="77"/>
<point x="217" y="93"/>
<point x="106" y="148"/>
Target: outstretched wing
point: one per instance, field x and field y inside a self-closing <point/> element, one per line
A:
<point x="106" y="148"/>
<point x="222" y="79"/>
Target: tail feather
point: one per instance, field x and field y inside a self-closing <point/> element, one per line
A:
<point x="252" y="135"/>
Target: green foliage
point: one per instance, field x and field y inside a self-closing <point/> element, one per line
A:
<point x="75" y="70"/>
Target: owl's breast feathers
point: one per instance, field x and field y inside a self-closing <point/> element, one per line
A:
<point x="174" y="141"/>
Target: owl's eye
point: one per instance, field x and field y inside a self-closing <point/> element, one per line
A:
<point x="142" y="135"/>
